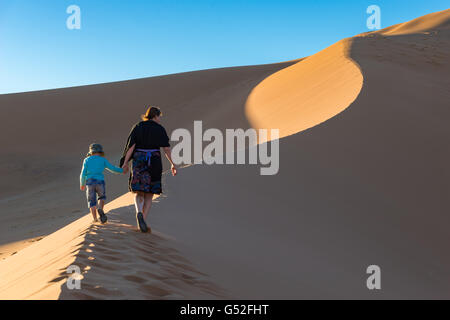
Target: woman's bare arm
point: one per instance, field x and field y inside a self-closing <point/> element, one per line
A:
<point x="168" y="153"/>
<point x="130" y="151"/>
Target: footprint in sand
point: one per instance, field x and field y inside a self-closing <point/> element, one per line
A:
<point x="135" y="279"/>
<point x="154" y="291"/>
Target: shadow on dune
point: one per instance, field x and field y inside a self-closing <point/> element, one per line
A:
<point x="118" y="262"/>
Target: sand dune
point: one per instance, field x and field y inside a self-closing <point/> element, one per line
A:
<point x="367" y="183"/>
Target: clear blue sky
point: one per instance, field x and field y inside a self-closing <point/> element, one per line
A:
<point x="122" y="40"/>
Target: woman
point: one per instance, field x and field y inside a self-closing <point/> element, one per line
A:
<point x="143" y="147"/>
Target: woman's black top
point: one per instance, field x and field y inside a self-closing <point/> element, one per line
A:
<point x="146" y="135"/>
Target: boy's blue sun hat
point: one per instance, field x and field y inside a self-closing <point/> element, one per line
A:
<point x="95" y="148"/>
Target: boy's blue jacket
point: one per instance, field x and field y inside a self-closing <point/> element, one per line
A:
<point x="93" y="168"/>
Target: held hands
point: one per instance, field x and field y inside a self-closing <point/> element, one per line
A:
<point x="174" y="170"/>
<point x="125" y="168"/>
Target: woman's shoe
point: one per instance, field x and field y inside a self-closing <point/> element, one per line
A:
<point x="141" y="222"/>
<point x="102" y="215"/>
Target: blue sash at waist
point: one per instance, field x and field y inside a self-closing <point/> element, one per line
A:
<point x="148" y="154"/>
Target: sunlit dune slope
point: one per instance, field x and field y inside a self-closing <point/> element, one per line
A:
<point x="307" y="93"/>
<point x="115" y="260"/>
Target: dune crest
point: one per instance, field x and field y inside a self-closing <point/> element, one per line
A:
<point x="436" y="20"/>
<point x="307" y="93"/>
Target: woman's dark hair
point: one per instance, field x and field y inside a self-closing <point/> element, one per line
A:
<point x="151" y="113"/>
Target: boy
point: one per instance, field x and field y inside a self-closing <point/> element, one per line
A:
<point x="93" y="181"/>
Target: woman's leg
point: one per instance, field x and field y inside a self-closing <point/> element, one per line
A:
<point x="147" y="204"/>
<point x="139" y="200"/>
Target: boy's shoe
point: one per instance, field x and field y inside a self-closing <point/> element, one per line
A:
<point x="141" y="222"/>
<point x="102" y="215"/>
